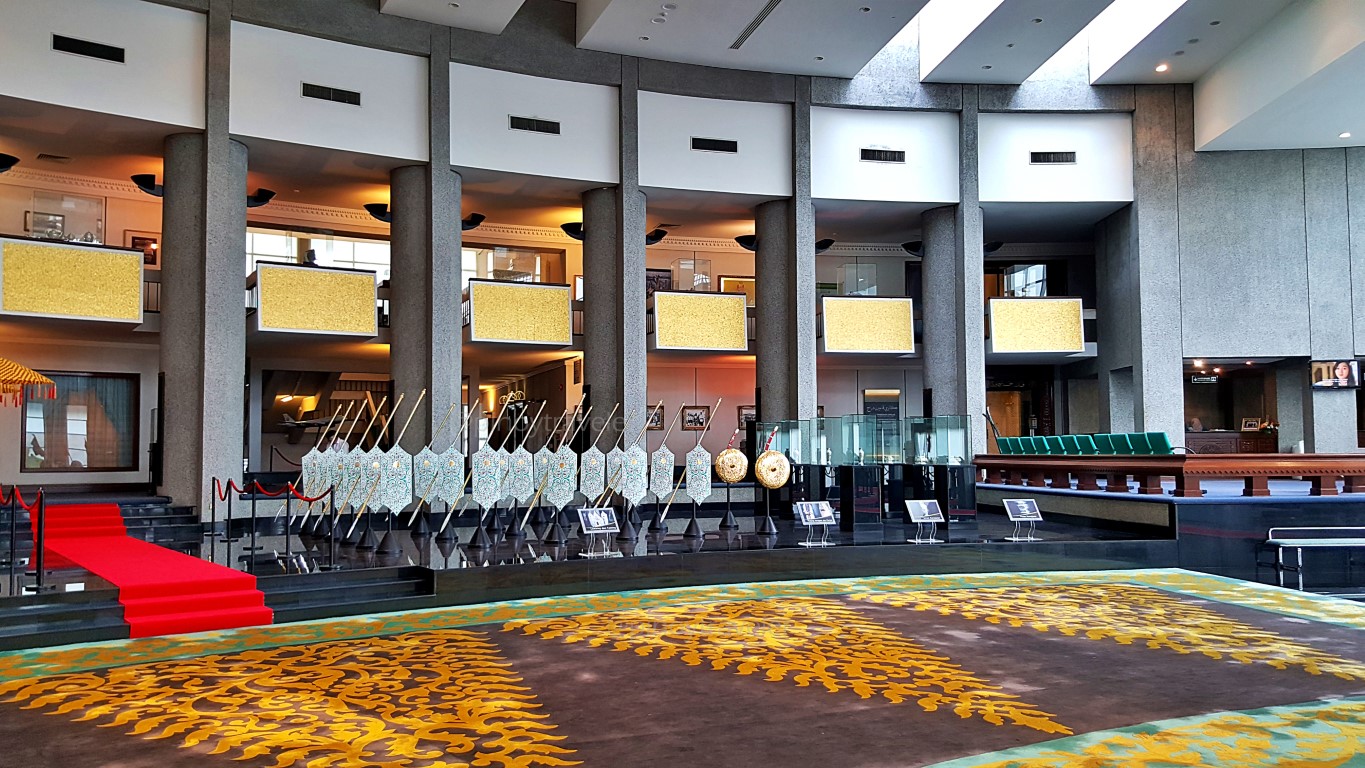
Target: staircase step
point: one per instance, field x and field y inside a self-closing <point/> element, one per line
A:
<point x="199" y="621"/>
<point x="149" y="607"/>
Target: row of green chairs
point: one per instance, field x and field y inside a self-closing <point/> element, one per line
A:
<point x="1122" y="444"/>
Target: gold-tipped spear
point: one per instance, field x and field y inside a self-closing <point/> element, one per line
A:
<point x="491" y="431"/>
<point x="356" y="482"/>
<point x="523" y="442"/>
<point x="664" y="515"/>
<point x="611" y="484"/>
<point x="380" y="479"/>
<point x="457" y="440"/>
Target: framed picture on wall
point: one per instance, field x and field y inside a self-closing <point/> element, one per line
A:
<point x="656" y="419"/>
<point x="658" y="280"/>
<point x="694" y="417"/>
<point x="746" y="414"/>
<point x="1250" y="423"/>
<point x="147" y="242"/>
<point x="819" y="411"/>
<point x="577" y="287"/>
<point x="735" y="284"/>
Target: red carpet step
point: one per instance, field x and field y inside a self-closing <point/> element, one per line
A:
<point x="162" y="592"/>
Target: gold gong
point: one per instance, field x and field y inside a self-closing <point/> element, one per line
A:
<point x="731" y="464"/>
<point x="772" y="469"/>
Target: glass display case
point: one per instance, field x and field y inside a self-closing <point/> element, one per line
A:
<point x="786" y="439"/>
<point x="859" y="444"/>
<point x="858" y="279"/>
<point x="821" y="440"/>
<point x="59" y="216"/>
<point x="692" y="274"/>
<point x="937" y="440"/>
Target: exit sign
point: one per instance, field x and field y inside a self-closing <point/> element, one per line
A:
<point x="1211" y="379"/>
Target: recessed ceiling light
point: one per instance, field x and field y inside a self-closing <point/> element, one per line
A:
<point x="1217" y="370"/>
<point x="819" y="58"/>
<point x="1214" y="23"/>
<point x="1198" y="363"/>
<point x="658" y="19"/>
<point x="1344" y="135"/>
<point x="865" y="9"/>
<point x="644" y="39"/>
<point x="1192" y="40"/>
<point x="670" y="6"/>
<point x="454" y="5"/>
<point x="985" y="66"/>
<point x="1037" y="21"/>
<point x="1009" y="45"/>
<point x="1178" y="53"/>
<point x="1162" y="67"/>
<point x="1248" y="362"/>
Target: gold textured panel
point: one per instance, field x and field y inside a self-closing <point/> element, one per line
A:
<point x="855" y="324"/>
<point x="700" y="321"/>
<point x="1036" y="325"/>
<point x="316" y="301"/>
<point x="519" y="312"/>
<point x="61" y="281"/>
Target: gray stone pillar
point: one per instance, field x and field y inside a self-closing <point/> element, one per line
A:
<point x="203" y="328"/>
<point x="425" y="311"/>
<point x="1329" y="415"/>
<point x="784" y="270"/>
<point x="614" y="327"/>
<point x="1291" y="382"/>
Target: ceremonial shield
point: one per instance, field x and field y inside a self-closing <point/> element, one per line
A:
<point x="563" y="477"/>
<point x="615" y="457"/>
<point x="311" y="471"/>
<point x="426" y="468"/>
<point x="371" y="465"/>
<point x="395" y="480"/>
<point x="544" y="457"/>
<point x="634" y="480"/>
<point x="451" y="477"/>
<point x="504" y="466"/>
<point x="345" y="468"/>
<point x="487" y="478"/>
<point x="521" y="483"/>
<point x="698" y="474"/>
<point x="592" y="473"/>
<point x="661" y="473"/>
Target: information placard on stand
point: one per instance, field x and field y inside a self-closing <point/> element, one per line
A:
<point x="815" y="514"/>
<point x="926" y="515"/>
<point x="598" y="523"/>
<point x="1022" y="512"/>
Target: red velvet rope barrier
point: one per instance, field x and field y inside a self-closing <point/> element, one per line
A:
<point x="256" y="487"/>
<point x="231" y="486"/>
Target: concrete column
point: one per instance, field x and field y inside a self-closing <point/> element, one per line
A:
<point x="954" y="287"/>
<point x="784" y="268"/>
<point x="425" y="311"/>
<point x="203" y="326"/>
<point x="1291" y="382"/>
<point x="614" y="328"/>
<point x="472" y="443"/>
<point x="1329" y="415"/>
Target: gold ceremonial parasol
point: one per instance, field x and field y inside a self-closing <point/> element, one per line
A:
<point x="16" y="380"/>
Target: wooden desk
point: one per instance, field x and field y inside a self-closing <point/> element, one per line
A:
<point x="1231" y="442"/>
<point x="1321" y="469"/>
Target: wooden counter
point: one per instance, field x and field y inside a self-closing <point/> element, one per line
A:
<point x="1231" y="442"/>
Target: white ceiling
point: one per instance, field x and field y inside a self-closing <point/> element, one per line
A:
<point x="1044" y="222"/>
<point x="479" y="15"/>
<point x="1009" y="44"/>
<point x="834" y="38"/>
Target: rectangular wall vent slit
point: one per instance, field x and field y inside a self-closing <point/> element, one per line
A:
<point x="88" y="49"/>
<point x="1052" y="158"/>
<point x="533" y="125"/>
<point x="727" y="146"/>
<point x="754" y="25"/>
<point x="883" y="155"/>
<point x="339" y="95"/>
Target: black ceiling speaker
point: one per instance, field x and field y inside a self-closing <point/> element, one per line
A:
<point x="655" y="236"/>
<point x="914" y="247"/>
<point x="823" y="245"/>
<point x="748" y="242"/>
<point x="991" y="247"/>
<point x="7" y="162"/>
<point x="379" y="211"/>
<point x="573" y="229"/>
<point x="471" y="221"/>
<point x="147" y="183"/>
<point x="260" y="198"/>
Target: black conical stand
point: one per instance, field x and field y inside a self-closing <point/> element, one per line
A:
<point x="766" y="526"/>
<point x="728" y="523"/>
<point x="448" y="535"/>
<point x="693" y="527"/>
<point x="628" y="531"/>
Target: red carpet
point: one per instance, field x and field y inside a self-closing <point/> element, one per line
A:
<point x="162" y="592"/>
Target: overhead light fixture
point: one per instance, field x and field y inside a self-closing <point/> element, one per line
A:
<point x="1163" y="67"/>
<point x="991" y="247"/>
<point x="260" y="197"/>
<point x="1217" y="370"/>
<point x="1248" y="362"/>
<point x="573" y="229"/>
<point x="748" y="242"/>
<point x="471" y="221"/>
<point x="7" y="162"/>
<point x="655" y="235"/>
<point x="380" y="211"/>
<point x="294" y="392"/>
<point x="823" y="245"/>
<point x="147" y="183"/>
<point x="1198" y="363"/>
<point x="914" y="247"/>
<point x="1342" y="135"/>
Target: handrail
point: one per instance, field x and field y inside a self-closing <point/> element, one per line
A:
<point x="275" y="451"/>
<point x="37" y="511"/>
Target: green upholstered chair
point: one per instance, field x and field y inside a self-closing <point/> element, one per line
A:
<point x="1070" y="445"/>
<point x="1104" y="442"/>
<point x="1140" y="445"/>
<point x="1121" y="445"/>
<point x="1160" y="443"/>
<point x="1087" y="445"/>
<point x="1005" y="446"/>
<point x="1054" y="445"/>
<point x="1027" y="446"/>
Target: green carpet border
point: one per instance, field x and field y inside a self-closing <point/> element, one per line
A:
<point x="1282" y="724"/>
<point x="42" y="662"/>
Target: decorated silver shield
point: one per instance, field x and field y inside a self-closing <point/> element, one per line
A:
<point x="346" y="474"/>
<point x="544" y="457"/>
<point x="487" y="477"/>
<point x="563" y="477"/>
<point x="698" y="475"/>
<point x="395" y="480"/>
<point x="521" y="481"/>
<point x="426" y="468"/>
<point x="310" y="465"/>
<point x="661" y="473"/>
<point x="614" y="459"/>
<point x="634" y="480"/>
<point x="592" y="473"/>
<point x="504" y="466"/>
<point x="450" y="481"/>
<point x="371" y="463"/>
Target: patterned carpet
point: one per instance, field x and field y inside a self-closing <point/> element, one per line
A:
<point x="1124" y="668"/>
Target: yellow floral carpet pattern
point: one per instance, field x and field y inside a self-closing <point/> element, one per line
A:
<point x="1125" y="614"/>
<point x="808" y="641"/>
<point x="421" y="700"/>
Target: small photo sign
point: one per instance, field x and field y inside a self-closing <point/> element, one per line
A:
<point x="598" y="520"/>
<point x="1022" y="510"/>
<point x="814" y="512"/>
<point x="925" y="512"/>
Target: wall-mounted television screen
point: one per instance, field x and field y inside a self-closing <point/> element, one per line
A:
<point x="1336" y="374"/>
